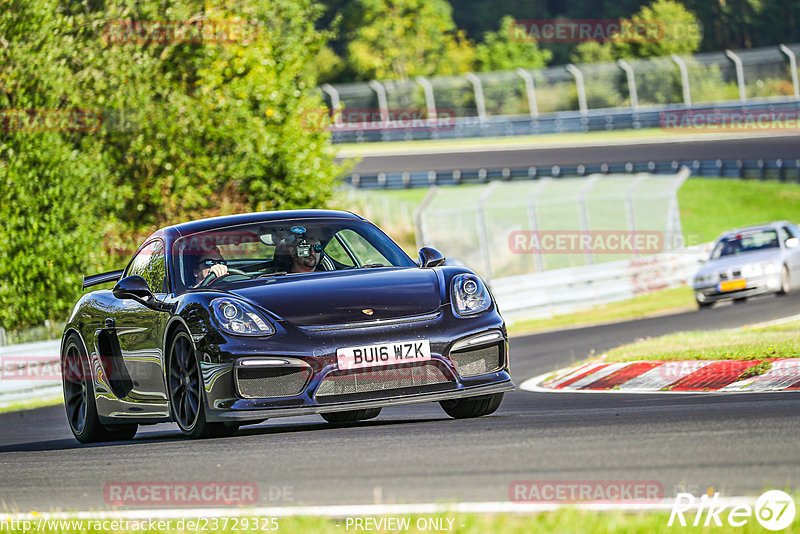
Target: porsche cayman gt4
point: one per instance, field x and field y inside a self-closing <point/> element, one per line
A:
<point x="223" y="322"/>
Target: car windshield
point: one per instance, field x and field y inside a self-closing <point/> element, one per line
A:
<point x="745" y="242"/>
<point x="282" y="248"/>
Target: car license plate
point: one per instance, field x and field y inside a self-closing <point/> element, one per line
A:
<point x="384" y="354"/>
<point x="732" y="285"/>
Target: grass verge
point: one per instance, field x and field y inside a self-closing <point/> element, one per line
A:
<point x="749" y="343"/>
<point x="651" y="305"/>
<point x="18" y="406"/>
<point x="565" y="521"/>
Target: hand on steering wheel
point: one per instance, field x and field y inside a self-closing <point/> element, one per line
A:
<point x="212" y="277"/>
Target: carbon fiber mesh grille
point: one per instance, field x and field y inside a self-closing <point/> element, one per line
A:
<point x="262" y="383"/>
<point x="477" y="362"/>
<point x="381" y="379"/>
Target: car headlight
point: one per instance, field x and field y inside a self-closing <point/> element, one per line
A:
<point x="700" y="279"/>
<point x="752" y="269"/>
<point x="236" y="317"/>
<point x="470" y="295"/>
<point x="770" y="268"/>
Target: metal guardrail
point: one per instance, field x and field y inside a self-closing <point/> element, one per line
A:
<point x="30" y="371"/>
<point x="593" y="120"/>
<point x="783" y="170"/>
<point x="555" y="292"/>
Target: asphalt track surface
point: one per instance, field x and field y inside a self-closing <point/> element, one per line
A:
<point x="738" y="444"/>
<point x="767" y="147"/>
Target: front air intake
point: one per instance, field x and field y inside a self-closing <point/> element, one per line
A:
<point x="479" y="361"/>
<point x="270" y="382"/>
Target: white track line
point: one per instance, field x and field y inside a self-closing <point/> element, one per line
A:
<point x="340" y="511"/>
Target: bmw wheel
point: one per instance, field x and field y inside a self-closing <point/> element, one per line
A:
<point x="76" y="378"/>
<point x="185" y="383"/>
<point x="786" y="282"/>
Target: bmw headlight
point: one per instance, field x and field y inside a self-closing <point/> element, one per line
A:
<point x="470" y="295"/>
<point x="237" y="317"/>
<point x="753" y="269"/>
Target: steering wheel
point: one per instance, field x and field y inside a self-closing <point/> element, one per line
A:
<point x="211" y="277"/>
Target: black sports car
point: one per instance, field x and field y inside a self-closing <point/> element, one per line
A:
<point x="228" y="321"/>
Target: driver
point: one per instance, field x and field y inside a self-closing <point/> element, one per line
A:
<point x="306" y="255"/>
<point x="210" y="261"/>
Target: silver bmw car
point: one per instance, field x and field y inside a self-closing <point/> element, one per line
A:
<point x="750" y="261"/>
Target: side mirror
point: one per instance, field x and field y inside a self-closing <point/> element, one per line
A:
<point x="132" y="287"/>
<point x="430" y="257"/>
<point x="792" y="242"/>
<point x="135" y="288"/>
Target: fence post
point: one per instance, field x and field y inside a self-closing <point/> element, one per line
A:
<point x="737" y="62"/>
<point x="793" y="66"/>
<point x="583" y="214"/>
<point x="3" y="341"/>
<point x="624" y="65"/>
<point x="687" y="93"/>
<point x="578" y="75"/>
<point x="630" y="213"/>
<point x="674" y="229"/>
<point x="530" y="90"/>
<point x="430" y="101"/>
<point x="335" y="102"/>
<point x="533" y="220"/>
<point x="477" y="88"/>
<point x="383" y="105"/>
<point x="419" y="234"/>
<point x="483" y="231"/>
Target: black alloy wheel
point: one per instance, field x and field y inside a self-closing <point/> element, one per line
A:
<point x="185" y="383"/>
<point x="79" y="398"/>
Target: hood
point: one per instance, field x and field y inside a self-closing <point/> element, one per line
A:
<point x="333" y="298"/>
<point x="772" y="255"/>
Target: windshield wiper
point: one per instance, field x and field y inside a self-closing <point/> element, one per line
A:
<point x="372" y="265"/>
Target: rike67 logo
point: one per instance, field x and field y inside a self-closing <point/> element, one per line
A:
<point x="774" y="510"/>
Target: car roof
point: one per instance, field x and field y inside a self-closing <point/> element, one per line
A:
<point x="202" y="225"/>
<point x="766" y="226"/>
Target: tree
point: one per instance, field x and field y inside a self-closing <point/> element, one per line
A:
<point x="388" y="39"/>
<point x="51" y="183"/>
<point x="500" y="50"/>
<point x="672" y="30"/>
<point x="211" y="126"/>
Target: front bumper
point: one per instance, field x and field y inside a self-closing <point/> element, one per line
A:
<point x="757" y="285"/>
<point x="268" y="413"/>
<point x="314" y="350"/>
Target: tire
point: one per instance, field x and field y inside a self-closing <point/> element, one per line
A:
<point x="79" y="402"/>
<point x="704" y="305"/>
<point x="185" y="387"/>
<point x="351" y="416"/>
<point x="786" y="282"/>
<point x="472" y="406"/>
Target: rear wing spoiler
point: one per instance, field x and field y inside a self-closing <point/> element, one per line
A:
<point x="102" y="278"/>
